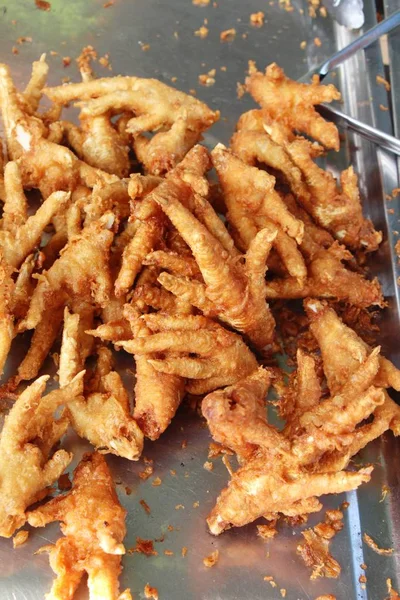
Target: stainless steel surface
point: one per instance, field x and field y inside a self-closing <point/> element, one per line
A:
<point x="382" y="139"/>
<point x="359" y="43"/>
<point x="244" y="558"/>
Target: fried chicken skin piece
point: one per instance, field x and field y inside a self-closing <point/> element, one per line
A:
<point x="208" y="355"/>
<point x="81" y="271"/>
<point x="93" y="524"/>
<point x="292" y="103"/>
<point x="337" y="210"/>
<point x="328" y="277"/>
<point x="272" y="479"/>
<point x="236" y="291"/>
<point x="157" y="394"/>
<point x="253" y="204"/>
<point x="27" y="465"/>
<point x="102" y="414"/>
<point x="156" y="106"/>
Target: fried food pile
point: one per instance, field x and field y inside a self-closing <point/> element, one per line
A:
<point x="115" y="238"/>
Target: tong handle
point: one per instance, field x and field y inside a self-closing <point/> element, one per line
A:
<point x="362" y="42"/>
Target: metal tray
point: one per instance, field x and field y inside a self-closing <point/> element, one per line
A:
<point x="188" y="491"/>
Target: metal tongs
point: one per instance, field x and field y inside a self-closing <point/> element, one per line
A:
<point x="384" y="140"/>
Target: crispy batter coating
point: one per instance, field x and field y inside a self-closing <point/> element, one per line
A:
<point x="102" y="414"/>
<point x="329" y="278"/>
<point x="208" y="355"/>
<point x="27" y="466"/>
<point x="253" y="204"/>
<point x="292" y="103"/>
<point x="93" y="523"/>
<point x="19" y="234"/>
<point x="157" y="394"/>
<point x="339" y="211"/>
<point x="235" y="290"/>
<point x="181" y="117"/>
<point x="253" y="145"/>
<point x="343" y="350"/>
<point x="81" y="271"/>
<point x="6" y="313"/>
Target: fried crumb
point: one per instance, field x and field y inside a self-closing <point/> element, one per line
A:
<point x="395" y="192"/>
<point x="148" y="461"/>
<point x="172" y="472"/>
<point x="128" y="490"/>
<point x="385" y="488"/>
<point x="283" y="592"/>
<point x="14" y="50"/>
<point x="179" y="507"/>
<point x="108" y="4"/>
<point x="208" y="466"/>
<point x="240" y="90"/>
<point x="171" y="528"/>
<point x="24" y="40"/>
<point x="362" y="579"/>
<point x="393" y="594"/>
<point x="202" y="32"/>
<point x="257" y="19"/>
<point x="65" y="79"/>
<point x="104" y="61"/>
<point x="228" y="35"/>
<point x="363" y="566"/>
<point x="303" y="45"/>
<point x="382" y="81"/>
<point x="196" y="504"/>
<point x="326" y="597"/>
<point x="66" y="61"/>
<point x="168" y="553"/>
<point x="270" y="580"/>
<point x="317" y="42"/>
<point x="148" y="471"/>
<point x="223" y="68"/>
<point x="145" y="47"/>
<point x="14" y="22"/>
<point x="193" y="92"/>
<point x="227" y="464"/>
<point x="201" y="2"/>
<point x="156" y="482"/>
<point x="211" y="560"/>
<point x="374" y="546"/>
<point x="184" y="551"/>
<point x="53" y="53"/>
<point x="184" y="443"/>
<point x="150" y="592"/>
<point x="323" y="12"/>
<point x="285" y="4"/>
<point x="64" y="482"/>
<point x="384" y="108"/>
<point x="266" y="532"/>
<point x="20" y="538"/>
<point x="176" y="35"/>
<point x="206" y="80"/>
<point x="344" y="505"/>
<point x="145" y="506"/>
<point x="43" y="5"/>
<point x="144" y="547"/>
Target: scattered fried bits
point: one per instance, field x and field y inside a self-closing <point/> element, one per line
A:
<point x="382" y="81"/>
<point x="20" y="538"/>
<point x="374" y="546"/>
<point x="211" y="560"/>
<point x="150" y="592"/>
<point x="93" y="523"/>
<point x="144" y="547"/>
<point x="315" y="550"/>
<point x="202" y="32"/>
<point x="228" y="35"/>
<point x="257" y="19"/>
<point x="43" y="5"/>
